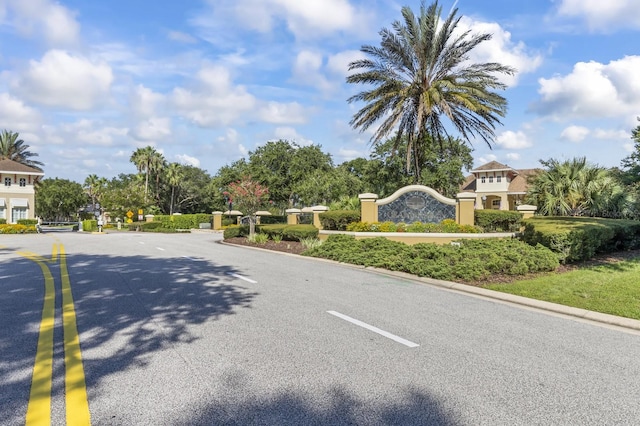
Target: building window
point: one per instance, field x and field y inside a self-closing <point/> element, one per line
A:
<point x="495" y="204"/>
<point x="490" y="179"/>
<point x="3" y="212"/>
<point x="483" y="179"/>
<point x="18" y="213"/>
<point x="23" y="182"/>
<point x="7" y="181"/>
<point x="499" y="179"/>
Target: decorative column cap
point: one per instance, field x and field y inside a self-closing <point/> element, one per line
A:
<point x="368" y="196"/>
<point x="263" y="213"/>
<point x="293" y="211"/>
<point x="466" y="196"/>
<point x="217" y="213"/>
<point x="319" y="208"/>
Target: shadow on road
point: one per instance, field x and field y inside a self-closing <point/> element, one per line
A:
<point x="133" y="306"/>
<point x="337" y="407"/>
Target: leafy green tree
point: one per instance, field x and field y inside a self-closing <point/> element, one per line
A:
<point x="123" y="193"/>
<point x="575" y="188"/>
<point x="59" y="199"/>
<point x="321" y="187"/>
<point x="193" y="194"/>
<point x="630" y="165"/>
<point x="12" y="148"/>
<point x="222" y="179"/>
<point x="420" y="72"/>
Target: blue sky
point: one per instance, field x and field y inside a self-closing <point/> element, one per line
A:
<point x="85" y="83"/>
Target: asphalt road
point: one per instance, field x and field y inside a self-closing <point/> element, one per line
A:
<point x="176" y="329"/>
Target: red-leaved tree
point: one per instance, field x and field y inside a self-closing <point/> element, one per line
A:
<point x="248" y="196"/>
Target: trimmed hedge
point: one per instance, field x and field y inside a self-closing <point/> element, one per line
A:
<point x="498" y="220"/>
<point x="90" y="225"/>
<point x="287" y="232"/>
<point x="3" y="221"/>
<point x="27" y="222"/>
<point x="446" y="226"/>
<point x="273" y="219"/>
<point x="337" y="220"/>
<point x="576" y="239"/>
<point x="17" y="229"/>
<point x="183" y="221"/>
<point x="468" y="260"/>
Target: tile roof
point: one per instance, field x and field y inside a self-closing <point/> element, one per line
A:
<point x="10" y="166"/>
<point x="492" y="165"/>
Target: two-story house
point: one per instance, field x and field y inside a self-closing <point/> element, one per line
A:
<point x="498" y="186"/>
<point x="17" y="191"/>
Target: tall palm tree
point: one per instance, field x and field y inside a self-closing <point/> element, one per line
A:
<point x="156" y="166"/>
<point x="142" y="158"/>
<point x="174" y="176"/>
<point x="420" y="72"/>
<point x="12" y="148"/>
<point x="94" y="187"/>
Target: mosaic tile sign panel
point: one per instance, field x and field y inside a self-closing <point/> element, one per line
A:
<point x="416" y="206"/>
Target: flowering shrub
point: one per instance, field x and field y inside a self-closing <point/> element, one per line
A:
<point x="17" y="229"/>
<point x="446" y="226"/>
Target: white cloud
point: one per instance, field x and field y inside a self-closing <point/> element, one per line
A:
<point x="513" y="156"/>
<point x="152" y="129"/>
<point x="188" y="160"/>
<point x="144" y="101"/>
<point x="501" y="49"/>
<point x="17" y="116"/>
<point x="339" y="63"/>
<point x="574" y="133"/>
<point x="629" y="147"/>
<point x="350" y="154"/>
<point x="181" y="37"/>
<point x="54" y="22"/>
<point x="307" y="70"/>
<point x="216" y="102"/>
<point x="513" y="140"/>
<point x="592" y="90"/>
<point x="291" y="134"/>
<point x="603" y="15"/>
<point x="278" y="113"/>
<point x="65" y="80"/>
<point x="611" y="134"/>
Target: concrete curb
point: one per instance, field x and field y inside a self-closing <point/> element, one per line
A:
<point x="607" y="319"/>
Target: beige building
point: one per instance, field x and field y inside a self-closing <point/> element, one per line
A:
<point x="498" y="186"/>
<point x="17" y="191"/>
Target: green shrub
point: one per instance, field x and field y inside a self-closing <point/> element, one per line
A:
<point x="337" y="220"/>
<point x="90" y="225"/>
<point x="183" y="221"/>
<point x="273" y="219"/>
<point x="3" y="221"/>
<point x="298" y="232"/>
<point x="258" y="238"/>
<point x="236" y="231"/>
<point x="498" y="220"/>
<point x="576" y="239"/>
<point x="27" y="222"/>
<point x="467" y="260"/>
<point x="446" y="226"/>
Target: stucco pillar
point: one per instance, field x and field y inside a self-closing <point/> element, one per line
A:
<point x="504" y="202"/>
<point x="293" y="216"/>
<point x="527" y="210"/>
<point x="368" y="207"/>
<point x="316" y="215"/>
<point x="465" y="208"/>
<point x="217" y="220"/>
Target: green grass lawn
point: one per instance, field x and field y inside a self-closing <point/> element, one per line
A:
<point x="612" y="288"/>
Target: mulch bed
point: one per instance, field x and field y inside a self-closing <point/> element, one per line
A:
<point x="292" y="247"/>
<point x="296" y="247"/>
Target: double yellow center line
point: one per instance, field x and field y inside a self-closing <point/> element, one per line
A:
<point x="77" y="406"/>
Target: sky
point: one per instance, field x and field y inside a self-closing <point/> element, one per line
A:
<point x="205" y="82"/>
